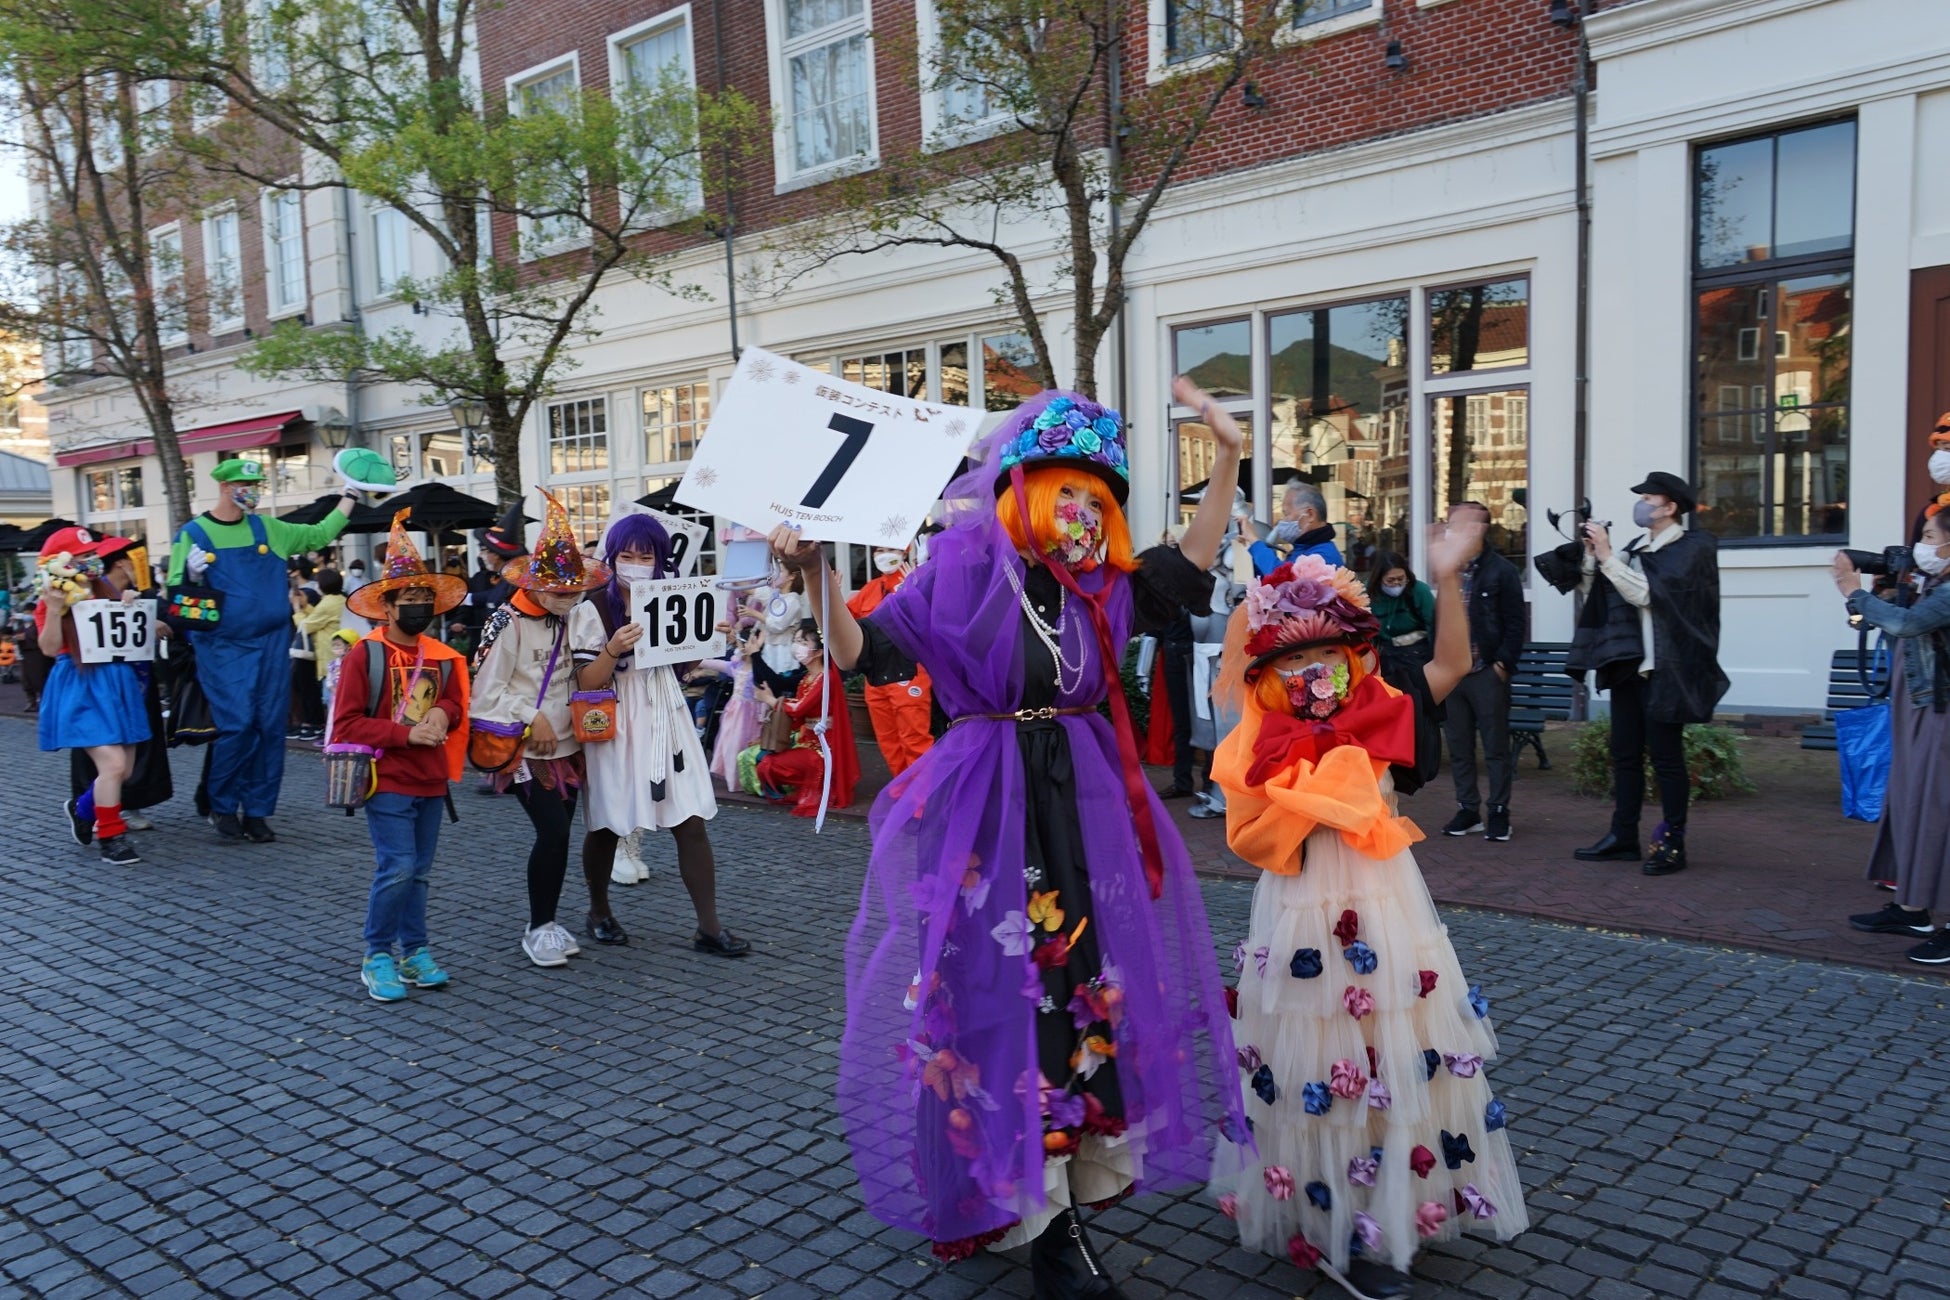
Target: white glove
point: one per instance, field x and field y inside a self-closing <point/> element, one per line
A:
<point x="198" y="562"/>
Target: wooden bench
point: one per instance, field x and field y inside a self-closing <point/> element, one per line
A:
<point x="1845" y="691"/>
<point x="1539" y="693"/>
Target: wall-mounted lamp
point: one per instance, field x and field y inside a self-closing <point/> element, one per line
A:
<point x="1563" y="14"/>
<point x="470" y="416"/>
<point x="335" y="429"/>
<point x="1395" y="59"/>
<point x="1249" y="96"/>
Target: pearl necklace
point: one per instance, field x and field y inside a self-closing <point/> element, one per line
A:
<point x="1051" y="637"/>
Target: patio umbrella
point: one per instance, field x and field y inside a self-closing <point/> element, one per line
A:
<point x="312" y="512"/>
<point x="36" y="537"/>
<point x="10" y="535"/>
<point x="435" y="506"/>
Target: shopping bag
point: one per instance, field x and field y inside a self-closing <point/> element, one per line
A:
<point x="1862" y="742"/>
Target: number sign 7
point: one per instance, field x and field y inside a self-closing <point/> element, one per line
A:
<point x="854" y="433"/>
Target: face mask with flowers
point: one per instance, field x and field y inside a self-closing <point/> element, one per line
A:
<point x="1079" y="534"/>
<point x="1318" y="690"/>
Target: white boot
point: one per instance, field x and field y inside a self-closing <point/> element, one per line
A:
<point x="629" y="868"/>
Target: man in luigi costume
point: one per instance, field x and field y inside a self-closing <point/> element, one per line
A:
<point x="242" y="662"/>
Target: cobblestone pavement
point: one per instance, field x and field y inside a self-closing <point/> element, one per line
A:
<point x="196" y="1097"/>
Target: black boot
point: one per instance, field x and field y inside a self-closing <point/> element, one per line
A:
<point x="1668" y="852"/>
<point x="1064" y="1266"/>
<point x="1367" y="1279"/>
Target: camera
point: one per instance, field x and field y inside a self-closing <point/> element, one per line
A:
<point x="1889" y="562"/>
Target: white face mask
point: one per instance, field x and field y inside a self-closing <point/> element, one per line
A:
<point x="802" y="653"/>
<point x="1392" y="589"/>
<point x="887" y="561"/>
<point x="1928" y="560"/>
<point x="636" y="572"/>
<point x="1940" y="465"/>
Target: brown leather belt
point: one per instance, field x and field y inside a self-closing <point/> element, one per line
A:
<point x="1026" y="715"/>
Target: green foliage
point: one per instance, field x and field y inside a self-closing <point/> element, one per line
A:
<point x="1714" y="765"/>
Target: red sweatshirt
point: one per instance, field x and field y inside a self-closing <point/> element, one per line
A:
<point x="404" y="768"/>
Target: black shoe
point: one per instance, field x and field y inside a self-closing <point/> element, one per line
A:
<point x="229" y="828"/>
<point x="1176" y="791"/>
<point x="258" y="831"/>
<point x="1367" y="1280"/>
<point x="607" y="930"/>
<point x="1499" y="828"/>
<point x="722" y="944"/>
<point x="80" y="827"/>
<point x="1668" y="856"/>
<point x="1893" y="920"/>
<point x="1933" y="951"/>
<point x="1465" y="821"/>
<point x="1063" y="1266"/>
<point x="116" y="849"/>
<point x="1609" y="849"/>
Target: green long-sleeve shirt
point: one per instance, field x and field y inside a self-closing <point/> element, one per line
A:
<point x="287" y="539"/>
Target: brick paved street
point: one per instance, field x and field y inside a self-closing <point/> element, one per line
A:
<point x="200" y="1100"/>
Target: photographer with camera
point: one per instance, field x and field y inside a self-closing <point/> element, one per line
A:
<point x="1912" y="845"/>
<point x="1672" y="575"/>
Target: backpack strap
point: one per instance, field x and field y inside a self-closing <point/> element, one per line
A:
<point x="375" y="675"/>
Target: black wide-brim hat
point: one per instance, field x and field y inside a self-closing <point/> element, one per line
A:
<point x="1672" y="487"/>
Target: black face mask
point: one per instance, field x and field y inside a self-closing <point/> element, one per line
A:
<point x="413" y="619"/>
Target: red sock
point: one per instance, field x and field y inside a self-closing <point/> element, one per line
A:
<point x="108" y="821"/>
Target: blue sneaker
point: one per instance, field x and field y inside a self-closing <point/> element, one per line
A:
<point x="380" y="974"/>
<point x="421" y="971"/>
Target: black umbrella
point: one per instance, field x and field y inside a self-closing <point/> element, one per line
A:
<point x="10" y="535"/>
<point x="312" y="512"/>
<point x="664" y="498"/>
<point x="1281" y="474"/>
<point x="435" y="506"/>
<point x="36" y="537"/>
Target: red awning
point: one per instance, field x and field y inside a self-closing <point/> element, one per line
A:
<point x="236" y="435"/>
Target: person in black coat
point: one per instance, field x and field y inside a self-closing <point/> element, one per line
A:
<point x="1480" y="704"/>
<point x="1672" y="576"/>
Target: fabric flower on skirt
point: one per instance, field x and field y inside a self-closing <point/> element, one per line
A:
<point x="1249" y="1058"/>
<point x="1261" y="956"/>
<point x="1463" y="1065"/>
<point x="1279" y="1183"/>
<point x="1317" y="1193"/>
<point x="1475" y="1202"/>
<point x="1013" y="933"/>
<point x="1263" y="1085"/>
<point x="1361" y="957"/>
<point x="1494" y="1116"/>
<point x="1348" y="928"/>
<point x="1421" y="1160"/>
<point x="1367" y="1231"/>
<point x="1455" y="1149"/>
<point x="1346" y="1081"/>
<point x="1361" y="1171"/>
<point x="1316" y="1098"/>
<point x="1305" y="964"/>
<point x="1431" y="1062"/>
<point x="1043" y="910"/>
<point x="1477" y="1002"/>
<point x="1301" y="1252"/>
<point x="1065" y="1109"/>
<point x="1359" y="1001"/>
<point x="1379" y="1098"/>
<point x="1429" y="1218"/>
<point x="1239" y="956"/>
<point x="1427" y="978"/>
<point x="1229" y="1206"/>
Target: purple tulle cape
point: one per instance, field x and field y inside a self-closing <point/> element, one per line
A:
<point x="938" y="1087"/>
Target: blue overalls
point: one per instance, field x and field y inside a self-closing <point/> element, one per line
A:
<point x="244" y="667"/>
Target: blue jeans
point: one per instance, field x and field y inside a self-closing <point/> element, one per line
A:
<point x="405" y="830"/>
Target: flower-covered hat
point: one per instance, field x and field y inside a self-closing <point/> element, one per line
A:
<point x="1306" y="602"/>
<point x="404" y="568"/>
<point x="557" y="564"/>
<point x="1059" y="428"/>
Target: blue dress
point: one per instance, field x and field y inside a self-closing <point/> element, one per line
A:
<point x="95" y="704"/>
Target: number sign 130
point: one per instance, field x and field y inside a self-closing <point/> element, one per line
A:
<point x="109" y="631"/>
<point x="679" y="618"/>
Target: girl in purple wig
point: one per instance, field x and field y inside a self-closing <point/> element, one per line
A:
<point x="653" y="774"/>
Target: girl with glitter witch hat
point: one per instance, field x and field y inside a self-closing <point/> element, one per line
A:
<point x="1359" y="1039"/>
<point x="1035" y="1022"/>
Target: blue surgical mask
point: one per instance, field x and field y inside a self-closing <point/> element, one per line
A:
<point x="1642" y="512"/>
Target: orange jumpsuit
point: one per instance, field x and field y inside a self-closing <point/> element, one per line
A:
<point x="900" y="710"/>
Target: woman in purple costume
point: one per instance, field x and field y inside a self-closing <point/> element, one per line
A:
<point x="1035" y="1019"/>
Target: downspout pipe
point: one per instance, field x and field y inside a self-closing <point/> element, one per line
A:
<point x="730" y="230"/>
<point x="1581" y="410"/>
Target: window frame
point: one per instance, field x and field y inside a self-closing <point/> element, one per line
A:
<point x="939" y="131"/>
<point x="780" y="51"/>
<point x="276" y="308"/>
<point x="1767" y="273"/>
<point x="1428" y="292"/>
<point x="665" y="467"/>
<point x="618" y="45"/>
<point x="375" y="210"/>
<point x="549" y="442"/>
<point x="171" y="231"/>
<point x="214" y="221"/>
<point x="269" y="63"/>
<point x="202" y="14"/>
<point x="531" y="244"/>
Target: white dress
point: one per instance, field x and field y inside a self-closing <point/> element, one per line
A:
<point x="653" y="775"/>
<point x="783" y="612"/>
<point x="1419" y="1154"/>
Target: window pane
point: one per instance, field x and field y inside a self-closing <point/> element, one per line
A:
<point x="1197" y="451"/>
<point x="1313" y="11"/>
<point x="1479" y="327"/>
<point x="803" y="16"/>
<point x="1814" y="207"/>
<point x="1809" y="472"/>
<point x="1195" y="27"/>
<point x="1482" y="453"/>
<point x="674" y="419"/>
<point x="441" y="455"/>
<point x="1732" y="362"/>
<point x="1729" y="477"/>
<point x="1811" y="340"/>
<point x="954" y="374"/>
<point x="129" y="486"/>
<point x="1736" y="188"/>
<point x="829" y="103"/>
<point x="1218" y="358"/>
<point x="1010" y="373"/>
<point x="101" y="490"/>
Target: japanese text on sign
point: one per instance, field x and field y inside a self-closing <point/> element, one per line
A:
<point x="109" y="631"/>
<point x="679" y="618"/>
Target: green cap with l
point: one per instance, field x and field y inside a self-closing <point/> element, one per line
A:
<point x="239" y="469"/>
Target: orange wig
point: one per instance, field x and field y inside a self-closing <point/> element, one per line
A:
<point x="1043" y="487"/>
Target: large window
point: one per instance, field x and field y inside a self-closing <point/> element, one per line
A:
<point x="392" y="247"/>
<point x="578" y="436"/>
<point x="674" y="417"/>
<point x="827" y="83"/>
<point x="111" y="500"/>
<point x="588" y="507"/>
<point x="1481" y="445"/>
<point x="1195" y="28"/>
<point x="166" y="282"/>
<point x="549" y="90"/>
<point x="1479" y="327"/>
<point x="959" y="103"/>
<point x="284" y="251"/>
<point x="1219" y="359"/>
<point x="1773" y="275"/>
<point x="1308" y="12"/>
<point x="651" y="66"/>
<point x="223" y="273"/>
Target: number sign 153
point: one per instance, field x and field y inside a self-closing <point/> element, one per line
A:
<point x="108" y="630"/>
<point x="679" y="617"/>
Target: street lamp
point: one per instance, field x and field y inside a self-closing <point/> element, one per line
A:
<point x="335" y="429"/>
<point x="470" y="416"/>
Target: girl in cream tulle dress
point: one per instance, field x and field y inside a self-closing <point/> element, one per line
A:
<point x="1361" y="1041"/>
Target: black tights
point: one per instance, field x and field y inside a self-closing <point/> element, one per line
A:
<point x="695" y="864"/>
<point x="553" y="813"/>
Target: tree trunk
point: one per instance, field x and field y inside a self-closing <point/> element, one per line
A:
<point x="504" y="436"/>
<point x="169" y="455"/>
